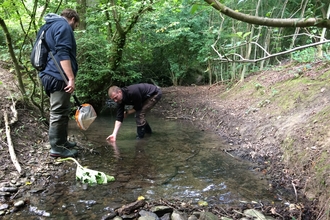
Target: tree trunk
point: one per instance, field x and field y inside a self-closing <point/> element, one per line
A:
<point x="278" y="41"/>
<point x="303" y="8"/>
<point x="248" y="45"/>
<point x="209" y="68"/>
<point x="13" y="57"/>
<point x="266" y="46"/>
<point x="118" y="38"/>
<point x="319" y="48"/>
<point x="256" y="49"/>
<point x="81" y="10"/>
<point x="232" y="68"/>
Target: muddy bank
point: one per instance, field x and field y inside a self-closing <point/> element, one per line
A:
<point x="278" y="119"/>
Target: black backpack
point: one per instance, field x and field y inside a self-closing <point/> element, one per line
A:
<point x="39" y="54"/>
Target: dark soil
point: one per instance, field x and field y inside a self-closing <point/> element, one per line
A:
<point x="275" y="118"/>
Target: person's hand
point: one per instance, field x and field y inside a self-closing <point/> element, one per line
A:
<point x="111" y="138"/>
<point x="70" y="87"/>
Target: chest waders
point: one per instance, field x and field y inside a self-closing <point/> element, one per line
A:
<point x="58" y="125"/>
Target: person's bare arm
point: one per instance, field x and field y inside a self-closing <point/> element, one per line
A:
<point x="113" y="136"/>
<point x="66" y="66"/>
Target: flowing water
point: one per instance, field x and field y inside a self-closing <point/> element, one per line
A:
<point x="177" y="161"/>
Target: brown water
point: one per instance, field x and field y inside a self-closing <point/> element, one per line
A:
<point x="176" y="161"/>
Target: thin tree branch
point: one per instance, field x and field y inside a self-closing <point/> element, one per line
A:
<point x="243" y="60"/>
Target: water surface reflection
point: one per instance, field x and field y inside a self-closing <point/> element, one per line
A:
<point x="176" y="161"/>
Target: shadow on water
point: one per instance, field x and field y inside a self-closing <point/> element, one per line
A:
<point x="176" y="161"/>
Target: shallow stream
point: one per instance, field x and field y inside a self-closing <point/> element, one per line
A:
<point x="177" y="161"/>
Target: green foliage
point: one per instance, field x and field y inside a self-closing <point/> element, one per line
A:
<point x="173" y="45"/>
<point x="274" y="92"/>
<point x="95" y="46"/>
<point x="93" y="67"/>
<point x="258" y="86"/>
<point x="242" y="35"/>
<point x="304" y="56"/>
<point x="322" y="167"/>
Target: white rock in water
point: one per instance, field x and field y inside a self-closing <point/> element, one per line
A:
<point x="19" y="203"/>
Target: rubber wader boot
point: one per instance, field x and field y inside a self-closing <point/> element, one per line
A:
<point x="70" y="144"/>
<point x="61" y="151"/>
<point x="58" y="140"/>
<point x="140" y="132"/>
<point x="147" y="128"/>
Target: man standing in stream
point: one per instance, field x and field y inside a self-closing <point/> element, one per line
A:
<point x="143" y="97"/>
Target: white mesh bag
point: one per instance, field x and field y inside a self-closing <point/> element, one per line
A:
<point x="85" y="115"/>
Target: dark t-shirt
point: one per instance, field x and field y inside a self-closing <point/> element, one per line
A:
<point x="135" y="95"/>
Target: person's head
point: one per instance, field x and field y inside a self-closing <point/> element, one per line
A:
<point x="115" y="94"/>
<point x="72" y="17"/>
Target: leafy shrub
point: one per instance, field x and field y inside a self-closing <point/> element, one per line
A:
<point x="305" y="56"/>
<point x="94" y="72"/>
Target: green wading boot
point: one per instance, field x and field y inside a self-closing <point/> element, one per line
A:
<point x="61" y="151"/>
<point x="70" y="144"/>
<point x="60" y="146"/>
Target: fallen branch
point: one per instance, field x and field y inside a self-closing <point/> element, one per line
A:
<point x="295" y="190"/>
<point x="229" y="154"/>
<point x="13" y="109"/>
<point x="129" y="208"/>
<point x="10" y="144"/>
<point x="180" y="117"/>
<point x="165" y="92"/>
<point x="169" y="117"/>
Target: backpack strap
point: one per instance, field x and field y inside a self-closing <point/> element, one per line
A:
<point x="44" y="28"/>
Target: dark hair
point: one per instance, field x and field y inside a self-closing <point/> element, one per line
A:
<point x="70" y="13"/>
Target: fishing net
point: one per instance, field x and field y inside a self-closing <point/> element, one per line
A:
<point x="85" y="115"/>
